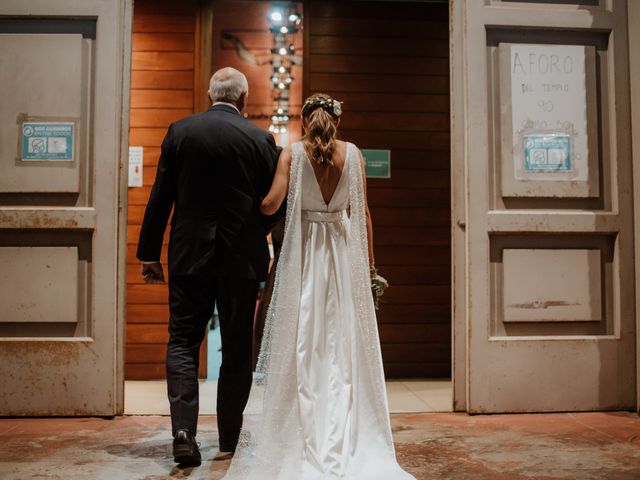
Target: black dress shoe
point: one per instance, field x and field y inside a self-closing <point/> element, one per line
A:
<point x="185" y="449"/>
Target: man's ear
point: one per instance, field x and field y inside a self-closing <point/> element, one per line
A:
<point x="210" y="98"/>
<point x="241" y="102"/>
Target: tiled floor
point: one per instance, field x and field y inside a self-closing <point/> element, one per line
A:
<point x="409" y="396"/>
<point x="432" y="446"/>
<point x="405" y="396"/>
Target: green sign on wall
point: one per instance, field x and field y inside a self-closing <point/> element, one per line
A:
<point x="377" y="163"/>
<point x="47" y="141"/>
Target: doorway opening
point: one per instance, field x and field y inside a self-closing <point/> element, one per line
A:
<point x="393" y="77"/>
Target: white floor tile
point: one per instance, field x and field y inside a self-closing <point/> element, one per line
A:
<point x="406" y="402"/>
<point x="396" y="386"/>
<point x="437" y="394"/>
<point x="405" y="396"/>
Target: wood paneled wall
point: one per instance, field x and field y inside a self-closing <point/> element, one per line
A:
<point x="166" y="85"/>
<point x="389" y="63"/>
<point x="248" y="21"/>
<point x="164" y="77"/>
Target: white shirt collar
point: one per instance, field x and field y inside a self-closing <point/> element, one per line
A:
<point x="226" y="103"/>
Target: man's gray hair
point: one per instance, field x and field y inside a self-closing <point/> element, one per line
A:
<point x="228" y="84"/>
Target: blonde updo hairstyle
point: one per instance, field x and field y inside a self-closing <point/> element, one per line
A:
<point x="320" y="114"/>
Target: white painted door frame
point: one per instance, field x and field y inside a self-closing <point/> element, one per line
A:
<point x="634" y="73"/>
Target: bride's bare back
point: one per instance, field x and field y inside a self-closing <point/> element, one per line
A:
<point x="329" y="175"/>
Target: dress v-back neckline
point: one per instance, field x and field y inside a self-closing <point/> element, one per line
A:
<point x="315" y="177"/>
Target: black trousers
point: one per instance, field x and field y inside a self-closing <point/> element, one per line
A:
<point x="191" y="302"/>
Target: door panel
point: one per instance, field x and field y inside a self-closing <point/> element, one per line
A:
<point x="547" y="228"/>
<point x="63" y="71"/>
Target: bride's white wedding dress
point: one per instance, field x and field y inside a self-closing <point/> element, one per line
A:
<point x="324" y="407"/>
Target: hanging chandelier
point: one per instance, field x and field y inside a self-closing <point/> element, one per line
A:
<point x="284" y="24"/>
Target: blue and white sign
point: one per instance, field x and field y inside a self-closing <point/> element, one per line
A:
<point x="547" y="153"/>
<point x="53" y="141"/>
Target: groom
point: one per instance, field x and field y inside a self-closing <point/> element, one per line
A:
<point x="214" y="167"/>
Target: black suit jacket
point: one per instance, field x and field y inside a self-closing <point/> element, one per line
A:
<point x="214" y="168"/>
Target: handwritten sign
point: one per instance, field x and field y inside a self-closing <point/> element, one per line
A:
<point x="549" y="112"/>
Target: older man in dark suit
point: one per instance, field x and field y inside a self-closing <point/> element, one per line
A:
<point x="214" y="168"/>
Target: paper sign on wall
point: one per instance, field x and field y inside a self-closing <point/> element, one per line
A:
<point x="549" y="112"/>
<point x="135" y="166"/>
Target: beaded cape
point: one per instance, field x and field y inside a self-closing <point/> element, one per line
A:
<point x="271" y="441"/>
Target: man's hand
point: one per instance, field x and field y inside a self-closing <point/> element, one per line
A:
<point x="152" y="272"/>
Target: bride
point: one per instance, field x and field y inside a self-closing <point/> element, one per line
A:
<point x="324" y="408"/>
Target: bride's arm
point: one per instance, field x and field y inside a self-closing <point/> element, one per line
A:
<point x="271" y="203"/>
<point x="367" y="215"/>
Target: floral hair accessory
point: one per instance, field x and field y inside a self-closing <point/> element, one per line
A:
<point x="337" y="108"/>
<point x="334" y="107"/>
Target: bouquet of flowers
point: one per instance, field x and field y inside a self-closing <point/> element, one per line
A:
<point x="378" y="285"/>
